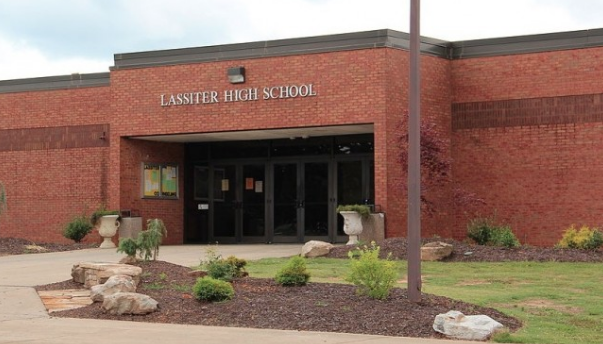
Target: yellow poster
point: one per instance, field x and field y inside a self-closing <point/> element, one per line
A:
<point x="169" y="178"/>
<point x="151" y="180"/>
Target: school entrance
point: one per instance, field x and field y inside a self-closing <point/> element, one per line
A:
<point x="279" y="190"/>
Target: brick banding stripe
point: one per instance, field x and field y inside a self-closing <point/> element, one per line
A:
<point x="65" y="137"/>
<point x="585" y="108"/>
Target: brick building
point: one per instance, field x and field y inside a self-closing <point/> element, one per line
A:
<point x="259" y="142"/>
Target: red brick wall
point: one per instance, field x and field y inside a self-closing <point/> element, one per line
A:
<point x="435" y="109"/>
<point x="538" y="178"/>
<point x="133" y="154"/>
<point x="47" y="187"/>
<point x="350" y="87"/>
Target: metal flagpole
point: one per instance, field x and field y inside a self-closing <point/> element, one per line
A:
<point x="414" y="157"/>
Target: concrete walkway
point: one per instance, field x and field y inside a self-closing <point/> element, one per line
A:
<point x="23" y="318"/>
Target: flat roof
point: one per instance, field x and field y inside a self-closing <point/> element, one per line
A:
<point x="317" y="44"/>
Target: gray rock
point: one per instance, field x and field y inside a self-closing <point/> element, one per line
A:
<point x="455" y="324"/>
<point x="115" y="284"/>
<point x="435" y="251"/>
<point x="315" y="248"/>
<point x="129" y="303"/>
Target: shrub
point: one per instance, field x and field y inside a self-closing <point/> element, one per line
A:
<point x="226" y="269"/>
<point x="485" y="231"/>
<point x="211" y="289"/>
<point x="128" y="246"/>
<point x="100" y="213"/>
<point x="503" y="236"/>
<point x="361" y="209"/>
<point x="586" y="238"/>
<point x="293" y="273"/>
<point x="372" y="276"/>
<point x="78" y="228"/>
<point x="2" y="198"/>
<point x="148" y="241"/>
<point x="480" y="230"/>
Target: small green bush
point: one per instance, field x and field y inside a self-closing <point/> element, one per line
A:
<point x="485" y="231"/>
<point x="78" y="228"/>
<point x="211" y="289"/>
<point x="361" y="209"/>
<point x="586" y="238"/>
<point x="128" y="246"/>
<point x="2" y="198"/>
<point x="503" y="236"/>
<point x="480" y="229"/>
<point x="238" y="265"/>
<point x="372" y="276"/>
<point x="293" y="273"/>
<point x="100" y="212"/>
<point x="224" y="269"/>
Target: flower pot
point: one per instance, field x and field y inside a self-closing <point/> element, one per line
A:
<point x="352" y="225"/>
<point x="107" y="229"/>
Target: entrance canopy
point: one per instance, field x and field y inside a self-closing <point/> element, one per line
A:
<point x="266" y="134"/>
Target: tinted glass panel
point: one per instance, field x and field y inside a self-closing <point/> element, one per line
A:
<point x="316" y="204"/>
<point x="253" y="200"/>
<point x="239" y="149"/>
<point x="285" y="199"/>
<point x="225" y="201"/>
<point x="354" y="144"/>
<point x="303" y="147"/>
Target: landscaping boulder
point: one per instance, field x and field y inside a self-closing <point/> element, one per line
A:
<point x="315" y="248"/>
<point x="115" y="284"/>
<point x="455" y="324"/>
<point x="129" y="303"/>
<point x="92" y="273"/>
<point x="128" y="260"/>
<point x="435" y="251"/>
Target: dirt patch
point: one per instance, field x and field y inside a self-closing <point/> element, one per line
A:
<point x="544" y="303"/>
<point x="473" y="282"/>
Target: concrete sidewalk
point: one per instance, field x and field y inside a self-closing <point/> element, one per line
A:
<point x="23" y="318"/>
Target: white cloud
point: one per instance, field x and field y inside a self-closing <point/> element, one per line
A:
<point x="39" y="38"/>
<point x="19" y="60"/>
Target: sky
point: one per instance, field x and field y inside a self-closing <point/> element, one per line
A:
<point x="58" y="37"/>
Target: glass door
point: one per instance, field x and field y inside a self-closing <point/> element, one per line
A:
<point x="226" y="205"/>
<point x="315" y="202"/>
<point x="349" y="188"/>
<point x="253" y="203"/>
<point x="286" y="205"/>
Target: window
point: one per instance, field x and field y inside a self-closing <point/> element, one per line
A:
<point x="160" y="181"/>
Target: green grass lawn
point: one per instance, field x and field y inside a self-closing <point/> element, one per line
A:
<point x="557" y="302"/>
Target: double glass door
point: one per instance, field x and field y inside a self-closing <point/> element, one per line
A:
<point x="278" y="201"/>
<point x="239" y="203"/>
<point x="302" y="205"/>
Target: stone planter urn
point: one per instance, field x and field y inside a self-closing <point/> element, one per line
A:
<point x="107" y="229"/>
<point x="352" y="225"/>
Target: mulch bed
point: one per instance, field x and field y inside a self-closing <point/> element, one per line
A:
<point x="466" y="252"/>
<point x="13" y="246"/>
<point x="262" y="303"/>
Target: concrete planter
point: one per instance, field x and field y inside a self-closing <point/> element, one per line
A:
<point x="352" y="225"/>
<point x="107" y="229"/>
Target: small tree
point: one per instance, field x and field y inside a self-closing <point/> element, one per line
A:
<point x="149" y="240"/>
<point x="435" y="168"/>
